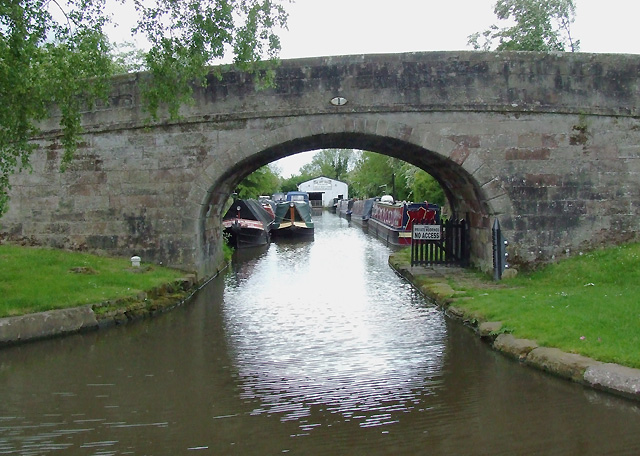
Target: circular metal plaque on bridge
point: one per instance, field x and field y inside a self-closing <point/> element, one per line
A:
<point x="338" y="101"/>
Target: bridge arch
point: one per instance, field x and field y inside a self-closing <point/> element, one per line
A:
<point x="468" y="184"/>
<point x="548" y="143"/>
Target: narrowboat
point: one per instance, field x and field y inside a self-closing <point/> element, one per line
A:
<point x="393" y="222"/>
<point x="334" y="205"/>
<point x="361" y="211"/>
<point x="343" y="208"/>
<point x="293" y="216"/>
<point x="247" y="224"/>
<point x="268" y="205"/>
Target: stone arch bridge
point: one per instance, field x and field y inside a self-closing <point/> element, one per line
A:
<point x="547" y="143"/>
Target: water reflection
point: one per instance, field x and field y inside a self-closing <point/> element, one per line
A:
<point x="310" y="349"/>
<point x="307" y="328"/>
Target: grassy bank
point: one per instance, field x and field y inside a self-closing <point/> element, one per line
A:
<point x="588" y="304"/>
<point x="36" y="279"/>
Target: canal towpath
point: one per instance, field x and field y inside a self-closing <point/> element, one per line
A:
<point x="445" y="287"/>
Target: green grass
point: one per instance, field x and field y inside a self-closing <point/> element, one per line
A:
<point x="227" y="251"/>
<point x="588" y="304"/>
<point x="37" y="279"/>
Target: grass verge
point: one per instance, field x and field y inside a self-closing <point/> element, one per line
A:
<point x="588" y="304"/>
<point x="38" y="279"/>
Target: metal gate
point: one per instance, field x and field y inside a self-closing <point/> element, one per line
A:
<point x="447" y="243"/>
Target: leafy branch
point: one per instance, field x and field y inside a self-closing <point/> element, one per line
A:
<point x="55" y="57"/>
<point x="534" y="25"/>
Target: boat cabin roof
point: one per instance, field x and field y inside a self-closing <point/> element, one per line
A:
<point x="298" y="196"/>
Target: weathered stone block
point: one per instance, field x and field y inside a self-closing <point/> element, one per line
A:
<point x="489" y="328"/>
<point x="516" y="348"/>
<point x="46" y="324"/>
<point x="613" y="377"/>
<point x="555" y="361"/>
<point x="527" y="154"/>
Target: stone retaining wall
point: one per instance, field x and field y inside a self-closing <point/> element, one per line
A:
<point x="60" y="322"/>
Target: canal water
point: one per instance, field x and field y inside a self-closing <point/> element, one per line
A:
<point x="313" y="348"/>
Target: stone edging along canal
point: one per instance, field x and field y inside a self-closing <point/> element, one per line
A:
<point x="609" y="377"/>
<point x="613" y="378"/>
<point x="53" y="323"/>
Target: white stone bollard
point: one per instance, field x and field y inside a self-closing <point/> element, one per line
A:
<point x="135" y="261"/>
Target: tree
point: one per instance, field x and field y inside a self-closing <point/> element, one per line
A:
<point x="332" y="163"/>
<point x="262" y="181"/>
<point x="43" y="62"/>
<point x="291" y="183"/>
<point x="538" y="25"/>
<point x="127" y="58"/>
<point x="56" y="54"/>
<point x="375" y="174"/>
<point x="424" y="187"/>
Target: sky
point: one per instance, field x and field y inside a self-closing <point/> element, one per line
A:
<point x="343" y="27"/>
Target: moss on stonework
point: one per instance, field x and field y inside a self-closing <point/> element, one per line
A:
<point x="144" y="305"/>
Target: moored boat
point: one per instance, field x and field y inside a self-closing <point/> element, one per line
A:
<point x="361" y="211"/>
<point x="393" y="222"/>
<point x="293" y="216"/>
<point x="343" y="208"/>
<point x="267" y="204"/>
<point x="247" y="224"/>
<point x="334" y="206"/>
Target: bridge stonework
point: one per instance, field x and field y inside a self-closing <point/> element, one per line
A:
<point x="549" y="144"/>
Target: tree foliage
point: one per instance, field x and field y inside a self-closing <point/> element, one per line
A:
<point x="290" y="184"/>
<point x="188" y="35"/>
<point x="375" y="174"/>
<point x="370" y="174"/>
<point x="262" y="181"/>
<point x="45" y="62"/>
<point x="332" y="163"/>
<point x="424" y="187"/>
<point x="55" y="53"/>
<point x="127" y="58"/>
<point x="533" y="25"/>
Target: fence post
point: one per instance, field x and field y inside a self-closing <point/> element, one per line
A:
<point x="499" y="251"/>
<point x="465" y="242"/>
<point x="414" y="247"/>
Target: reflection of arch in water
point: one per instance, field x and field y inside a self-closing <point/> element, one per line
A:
<point x="364" y="346"/>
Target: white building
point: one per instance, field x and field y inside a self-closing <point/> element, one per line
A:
<point x="323" y="190"/>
